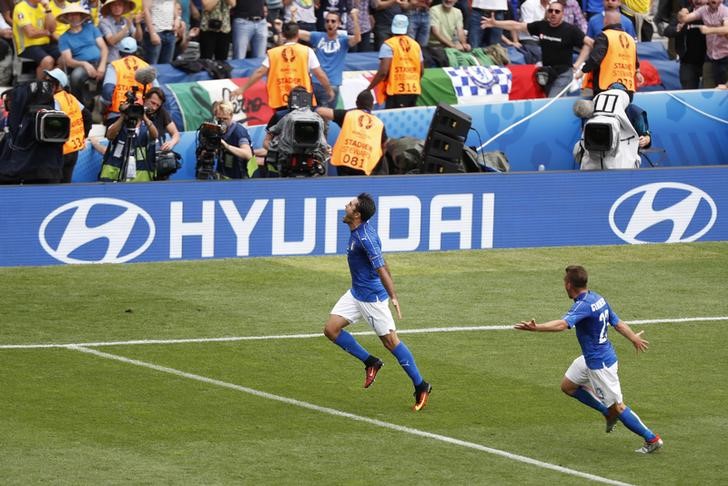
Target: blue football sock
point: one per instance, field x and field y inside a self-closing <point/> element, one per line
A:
<point x="590" y="400"/>
<point x="407" y="362"/>
<point x="633" y="423"/>
<point x="348" y="343"/>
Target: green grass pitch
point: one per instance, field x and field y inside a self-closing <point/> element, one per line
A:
<point x="215" y="412"/>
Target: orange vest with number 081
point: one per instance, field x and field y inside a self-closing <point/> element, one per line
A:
<point x="404" y="72"/>
<point x="69" y="105"/>
<point x="359" y="145"/>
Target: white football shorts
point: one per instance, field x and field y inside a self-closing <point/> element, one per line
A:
<point x="377" y="314"/>
<point x="603" y="382"/>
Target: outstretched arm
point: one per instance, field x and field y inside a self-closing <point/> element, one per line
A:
<point x="550" y="326"/>
<point x="638" y="342"/>
<point x="257" y="75"/>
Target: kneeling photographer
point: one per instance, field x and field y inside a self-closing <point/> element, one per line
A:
<point x="223" y="146"/>
<point x="131" y="153"/>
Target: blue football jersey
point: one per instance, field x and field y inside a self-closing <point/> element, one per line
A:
<point x="364" y="254"/>
<point x="592" y="316"/>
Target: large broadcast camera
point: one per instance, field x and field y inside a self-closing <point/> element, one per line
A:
<point x="299" y="147"/>
<point x="31" y="150"/>
<point x="609" y="141"/>
<point x="133" y="109"/>
<point x="209" y="149"/>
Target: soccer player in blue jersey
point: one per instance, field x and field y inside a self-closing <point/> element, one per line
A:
<point x="371" y="291"/>
<point x="596" y="369"/>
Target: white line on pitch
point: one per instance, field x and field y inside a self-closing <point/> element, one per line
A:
<point x="427" y="330"/>
<point x="351" y="416"/>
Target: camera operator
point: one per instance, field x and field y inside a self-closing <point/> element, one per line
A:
<point x="223" y="147"/>
<point x="154" y="101"/>
<point x="132" y="133"/>
<point x="80" y="120"/>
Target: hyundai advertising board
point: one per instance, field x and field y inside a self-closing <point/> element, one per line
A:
<point x="117" y="223"/>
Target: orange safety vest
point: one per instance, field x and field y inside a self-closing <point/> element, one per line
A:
<point x="404" y="72"/>
<point x="288" y="68"/>
<point x="359" y="145"/>
<point x="125" y="69"/>
<point x="77" y="135"/>
<point x="620" y="63"/>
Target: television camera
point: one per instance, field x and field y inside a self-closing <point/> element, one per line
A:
<point x="298" y="146"/>
<point x="609" y="140"/>
<point x="209" y="149"/>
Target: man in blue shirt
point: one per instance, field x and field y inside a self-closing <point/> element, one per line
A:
<point x="371" y="291"/>
<point x="596" y="369"/>
<point x="596" y="21"/>
<point x="331" y="48"/>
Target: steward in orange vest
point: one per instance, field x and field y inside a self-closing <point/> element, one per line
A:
<point x="119" y="79"/>
<point x="286" y="67"/>
<point x="360" y="145"/>
<point x="400" y="64"/>
<point x="613" y="58"/>
<point x="80" y="120"/>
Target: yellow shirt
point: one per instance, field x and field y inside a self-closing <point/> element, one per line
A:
<point x="60" y="26"/>
<point x="26" y="14"/>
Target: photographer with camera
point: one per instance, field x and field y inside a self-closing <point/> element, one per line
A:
<point x="154" y="101"/>
<point x="223" y="146"/>
<point x="80" y="120"/>
<point x="131" y="154"/>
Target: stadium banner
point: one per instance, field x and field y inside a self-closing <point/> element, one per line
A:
<point x="189" y="220"/>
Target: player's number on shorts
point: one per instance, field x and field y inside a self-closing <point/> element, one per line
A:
<point x="604" y="319"/>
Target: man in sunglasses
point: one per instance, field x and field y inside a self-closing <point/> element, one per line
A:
<point x="557" y="39"/>
<point x="331" y="48"/>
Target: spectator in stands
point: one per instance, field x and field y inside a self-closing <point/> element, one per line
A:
<point x="287" y="66"/>
<point x="80" y="120"/>
<point x="364" y="23"/>
<point x="527" y="44"/>
<point x="483" y="9"/>
<point x="690" y="46"/>
<point x="400" y="64"/>
<point x="715" y="19"/>
<point x="597" y="21"/>
<point x="57" y="7"/>
<point x="574" y="15"/>
<point x="322" y="7"/>
<point x="33" y="25"/>
<point x="116" y="24"/>
<point x="637" y="11"/>
<point x="419" y="21"/>
<point x="275" y="10"/>
<point x="6" y="10"/>
<point x="302" y="12"/>
<point x="120" y="78"/>
<point x="250" y="29"/>
<point x="331" y="48"/>
<point x="558" y="40"/>
<point x="236" y="146"/>
<point x="363" y="130"/>
<point x="159" y="39"/>
<point x="215" y="29"/>
<point x="446" y="26"/>
<point x="613" y="58"/>
<point x="83" y="51"/>
<point x="154" y="100"/>
<point x="383" y="13"/>
<point x="6" y="52"/>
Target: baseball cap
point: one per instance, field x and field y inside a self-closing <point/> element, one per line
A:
<point x="128" y="45"/>
<point x="59" y="76"/>
<point x="400" y="23"/>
